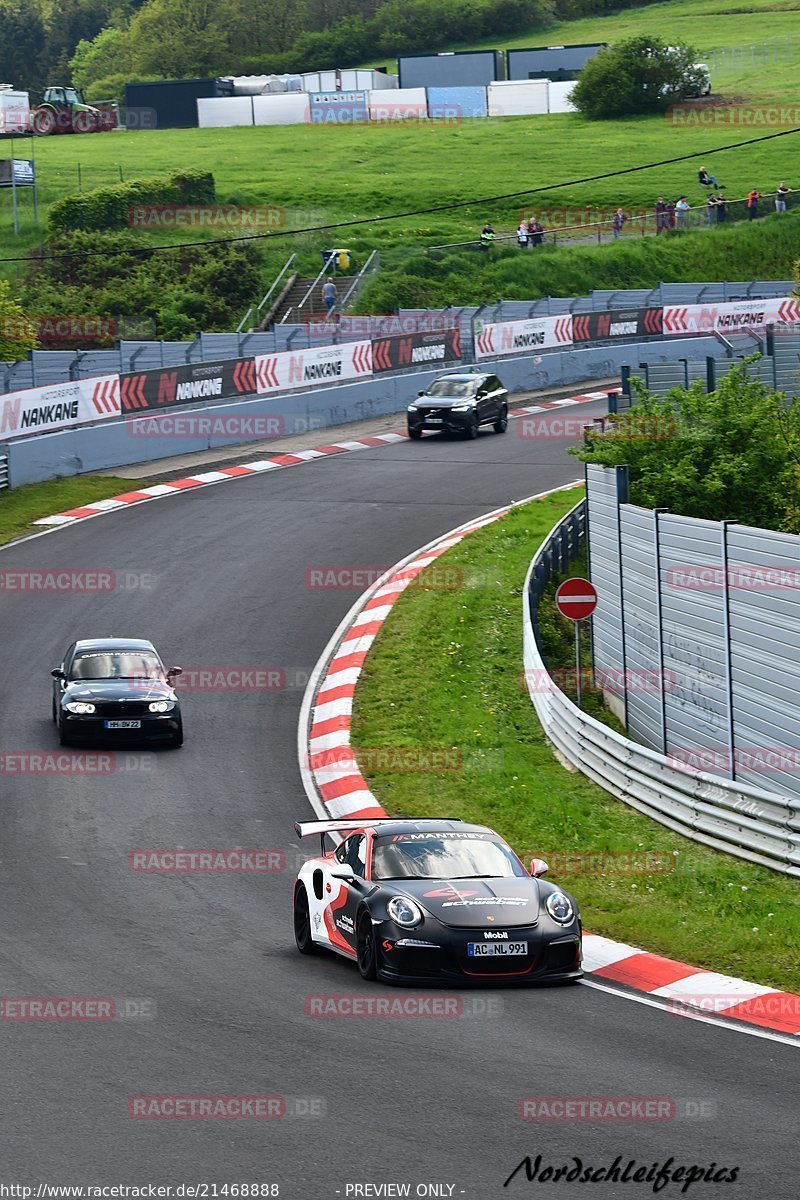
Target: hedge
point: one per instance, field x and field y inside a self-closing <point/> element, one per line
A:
<point x="113" y="207"/>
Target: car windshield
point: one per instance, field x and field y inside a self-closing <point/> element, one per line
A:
<point x="125" y="664"/>
<point x="452" y="387"/>
<point x="444" y="856"/>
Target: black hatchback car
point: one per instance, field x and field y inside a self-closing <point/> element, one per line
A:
<point x="110" y="689"/>
<point x="460" y="403"/>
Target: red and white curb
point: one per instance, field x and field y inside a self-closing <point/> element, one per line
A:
<point x="336" y="788"/>
<point x="158" y="491"/>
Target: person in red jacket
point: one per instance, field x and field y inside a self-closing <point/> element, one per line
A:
<point x="752" y="204"/>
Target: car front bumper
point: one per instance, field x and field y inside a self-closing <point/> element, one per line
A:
<point x="443" y="419"/>
<point x="154" y="727"/>
<point x="551" y="958"/>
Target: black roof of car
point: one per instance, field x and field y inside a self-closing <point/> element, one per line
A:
<point x="443" y="825"/>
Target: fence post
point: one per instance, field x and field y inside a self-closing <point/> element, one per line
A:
<point x="726" y="618"/>
<point x="621" y="474"/>
<point x="659" y="626"/>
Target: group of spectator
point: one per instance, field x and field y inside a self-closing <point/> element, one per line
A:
<point x="669" y="214"/>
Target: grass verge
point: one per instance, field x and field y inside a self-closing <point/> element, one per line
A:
<point x="445" y="672"/>
<point x="22" y="506"/>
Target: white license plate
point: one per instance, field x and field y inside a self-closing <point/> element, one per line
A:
<point x="487" y="949"/>
<point x="435" y="421"/>
<point x="123" y="724"/>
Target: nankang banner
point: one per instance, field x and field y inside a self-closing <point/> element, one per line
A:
<point x="523" y="337"/>
<point x="320" y="364"/>
<point x="194" y="383"/>
<point x="44" y="409"/>
<point x="731" y="316"/>
<point x="415" y="349"/>
<point x="616" y="323"/>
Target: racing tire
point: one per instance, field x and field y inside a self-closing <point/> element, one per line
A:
<point x="414" y="434"/>
<point x="501" y="424"/>
<point x="366" y="948"/>
<point x="302" y="922"/>
<point x="472" y="427"/>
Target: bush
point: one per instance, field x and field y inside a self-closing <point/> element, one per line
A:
<point x="732" y="454"/>
<point x="638" y="76"/>
<point x="110" y="207"/>
<point x="17" y="333"/>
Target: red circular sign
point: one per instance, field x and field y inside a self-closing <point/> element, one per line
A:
<point x="576" y="599"/>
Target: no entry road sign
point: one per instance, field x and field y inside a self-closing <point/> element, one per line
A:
<point x="576" y="599"/>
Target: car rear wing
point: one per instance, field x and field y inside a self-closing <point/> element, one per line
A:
<point x="308" y="828"/>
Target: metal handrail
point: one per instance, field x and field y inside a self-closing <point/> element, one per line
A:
<point x="357" y="283"/>
<point x="330" y="263"/>
<point x="287" y="266"/>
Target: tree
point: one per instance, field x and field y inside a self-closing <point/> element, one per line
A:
<point x="638" y="76"/>
<point x="731" y="454"/>
<point x="22" y="39"/>
<point x="107" y="54"/>
<point x="17" y="332"/>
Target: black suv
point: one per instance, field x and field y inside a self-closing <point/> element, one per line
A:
<point x="460" y="404"/>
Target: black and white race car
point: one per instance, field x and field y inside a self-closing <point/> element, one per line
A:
<point x="423" y="900"/>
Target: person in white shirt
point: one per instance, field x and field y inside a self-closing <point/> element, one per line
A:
<point x="781" y="192"/>
<point x="681" y="209"/>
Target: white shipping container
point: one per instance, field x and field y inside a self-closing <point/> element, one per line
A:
<point x="224" y="112"/>
<point x="558" y="90"/>
<point x="15" y="111"/>
<point x="514" y="98"/>
<point x="289" y="109"/>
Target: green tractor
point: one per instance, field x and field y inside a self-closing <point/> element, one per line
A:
<point x="64" y="110"/>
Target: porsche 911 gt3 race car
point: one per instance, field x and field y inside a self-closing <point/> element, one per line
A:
<point x="416" y="901"/>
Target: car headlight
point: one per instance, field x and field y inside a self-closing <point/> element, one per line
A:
<point x="463" y="407"/>
<point x="80" y="706"/>
<point x="161" y="705"/>
<point x="559" y="907"/>
<point x="413" y="407"/>
<point x="404" y="912"/>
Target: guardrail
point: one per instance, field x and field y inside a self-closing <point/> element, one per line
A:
<point x="3" y="470"/>
<point x="257" y="309"/>
<point x="748" y="822"/>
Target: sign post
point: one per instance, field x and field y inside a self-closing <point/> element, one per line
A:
<point x="576" y="599"/>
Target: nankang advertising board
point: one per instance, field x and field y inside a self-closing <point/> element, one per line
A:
<point x="680" y="319"/>
<point x="616" y="323"/>
<point x="191" y="384"/>
<point x="415" y="349"/>
<point x="523" y="337"/>
<point x="44" y="409"/>
<point x="305" y="368"/>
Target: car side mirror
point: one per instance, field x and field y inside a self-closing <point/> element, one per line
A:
<point x="538" y="867"/>
<point x="174" y="670"/>
<point x="420" y="393"/>
<point x="342" y="871"/>
<point x="58" y="673"/>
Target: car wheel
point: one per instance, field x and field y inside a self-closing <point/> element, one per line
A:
<point x="53" y="713"/>
<point x="414" y="434"/>
<point x="367" y="948"/>
<point x="63" y="740"/>
<point x="501" y="424"/>
<point x="302" y="922"/>
<point x="473" y="425"/>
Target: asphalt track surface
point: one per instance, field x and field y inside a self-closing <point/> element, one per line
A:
<point x="412" y="1100"/>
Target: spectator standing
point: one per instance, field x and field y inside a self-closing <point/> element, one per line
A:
<point x="711" y="209"/>
<point x="522" y="233"/>
<point x="752" y="204"/>
<point x="781" y="192"/>
<point x="535" y="233"/>
<point x="722" y="209"/>
<point x="661" y="214"/>
<point x="617" y="221"/>
<point x="329" y="295"/>
<point x="670" y="214"/>
<point x="706" y="179"/>
<point x="681" y="209"/>
<point x="487" y="236"/>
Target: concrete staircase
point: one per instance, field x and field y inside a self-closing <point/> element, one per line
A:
<point x="314" y="306"/>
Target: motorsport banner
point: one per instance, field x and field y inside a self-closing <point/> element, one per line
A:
<point x="727" y="318"/>
<point x="319" y="364"/>
<point x="188" y="384"/>
<point x="523" y="337"/>
<point x="415" y="349"/>
<point x="616" y="323"/>
<point x="57" y="406"/>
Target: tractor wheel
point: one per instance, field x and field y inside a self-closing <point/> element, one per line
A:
<point x="44" y="121"/>
<point x="84" y="122"/>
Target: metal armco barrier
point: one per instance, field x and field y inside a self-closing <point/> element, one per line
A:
<point x="748" y="822"/>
